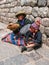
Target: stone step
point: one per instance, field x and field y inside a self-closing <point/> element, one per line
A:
<point x="8" y="50"/>
<point x="11" y="55"/>
<point x="42" y="62"/>
<point x="44" y="51"/>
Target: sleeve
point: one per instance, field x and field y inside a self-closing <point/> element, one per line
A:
<point x="38" y="39"/>
<point x="27" y="36"/>
<point x="28" y="21"/>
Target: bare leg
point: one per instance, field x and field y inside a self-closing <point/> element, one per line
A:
<point x="30" y="45"/>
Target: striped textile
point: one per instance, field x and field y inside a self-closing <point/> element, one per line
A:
<point x="14" y="39"/>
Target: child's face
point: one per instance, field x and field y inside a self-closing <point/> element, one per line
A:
<point x="33" y="30"/>
<point x="20" y="17"/>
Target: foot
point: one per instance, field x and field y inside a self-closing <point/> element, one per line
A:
<point x="23" y="49"/>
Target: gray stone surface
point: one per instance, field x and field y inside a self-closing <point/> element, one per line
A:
<point x="44" y="38"/>
<point x="45" y="22"/>
<point x="42" y="62"/>
<point x="27" y="9"/>
<point x="44" y="51"/>
<point x="16" y="9"/>
<point x="30" y="17"/>
<point x="30" y="63"/>
<point x="42" y="28"/>
<point x="4" y="10"/>
<point x="35" y="11"/>
<point x="42" y="2"/>
<point x="34" y="56"/>
<point x="47" y="2"/>
<point x="9" y="1"/>
<point x="1" y="63"/>
<point x="12" y="4"/>
<point x="47" y="42"/>
<point x="29" y="2"/>
<point x="47" y="31"/>
<point x="17" y="60"/>
<point x="8" y="50"/>
<point x="10" y="15"/>
<point x="2" y="1"/>
<point x="48" y="13"/>
<point x="43" y="11"/>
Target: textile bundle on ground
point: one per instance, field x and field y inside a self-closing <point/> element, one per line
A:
<point x="14" y="39"/>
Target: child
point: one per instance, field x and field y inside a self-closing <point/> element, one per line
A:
<point x="35" y="35"/>
<point x="37" y="24"/>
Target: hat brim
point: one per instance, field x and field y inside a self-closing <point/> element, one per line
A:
<point x="21" y="14"/>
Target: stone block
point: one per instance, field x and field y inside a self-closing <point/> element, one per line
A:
<point x="45" y="22"/>
<point x="42" y="28"/>
<point x="29" y="2"/>
<point x="42" y="2"/>
<point x="43" y="11"/>
<point x="42" y="62"/>
<point x="44" y="38"/>
<point x="35" y="11"/>
<point x="47" y="31"/>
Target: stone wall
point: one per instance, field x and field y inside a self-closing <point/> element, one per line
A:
<point x="33" y="9"/>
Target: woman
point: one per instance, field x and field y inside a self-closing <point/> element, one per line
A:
<point x="33" y="37"/>
<point x="15" y="37"/>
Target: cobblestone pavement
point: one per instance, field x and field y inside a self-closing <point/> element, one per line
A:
<point x="11" y="55"/>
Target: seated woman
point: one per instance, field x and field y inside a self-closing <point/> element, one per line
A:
<point x="14" y="36"/>
<point x="33" y="37"/>
<point x="25" y="28"/>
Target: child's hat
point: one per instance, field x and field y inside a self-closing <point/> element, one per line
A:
<point x="34" y="25"/>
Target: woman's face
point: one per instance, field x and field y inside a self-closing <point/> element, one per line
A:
<point x="20" y="17"/>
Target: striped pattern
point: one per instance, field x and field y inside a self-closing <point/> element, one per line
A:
<point x="14" y="39"/>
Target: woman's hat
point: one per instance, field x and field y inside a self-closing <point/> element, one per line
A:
<point x="35" y="26"/>
<point x="20" y="13"/>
